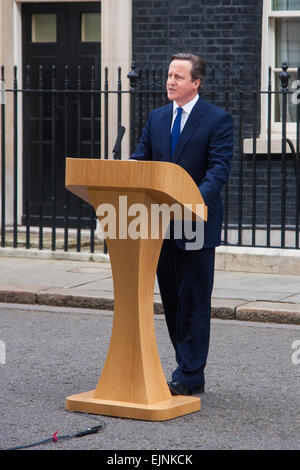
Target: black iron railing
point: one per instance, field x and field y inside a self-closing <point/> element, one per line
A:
<point x="53" y="115"/>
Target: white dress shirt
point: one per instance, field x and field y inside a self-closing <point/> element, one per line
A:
<point x="186" y="110"/>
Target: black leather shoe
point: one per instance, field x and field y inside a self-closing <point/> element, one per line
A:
<point x="199" y="390"/>
<point x="178" y="388"/>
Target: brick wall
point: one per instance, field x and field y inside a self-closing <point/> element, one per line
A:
<point x="224" y="32"/>
<point x="227" y="34"/>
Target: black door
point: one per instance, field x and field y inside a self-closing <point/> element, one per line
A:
<point x="61" y="55"/>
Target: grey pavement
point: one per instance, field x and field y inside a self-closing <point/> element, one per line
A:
<point x="251" y="296"/>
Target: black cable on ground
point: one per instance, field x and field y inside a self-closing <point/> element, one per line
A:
<point x="56" y="438"/>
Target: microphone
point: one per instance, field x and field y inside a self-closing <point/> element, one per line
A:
<point x="117" y="147"/>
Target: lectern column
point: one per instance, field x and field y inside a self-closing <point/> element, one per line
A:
<point x="132" y="371"/>
<point x="132" y="383"/>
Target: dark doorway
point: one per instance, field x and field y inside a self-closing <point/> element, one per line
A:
<point x="61" y="51"/>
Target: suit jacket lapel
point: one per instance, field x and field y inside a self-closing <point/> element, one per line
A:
<point x="165" y="126"/>
<point x="191" y="125"/>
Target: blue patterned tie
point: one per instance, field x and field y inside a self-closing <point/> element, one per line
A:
<point x="175" y="131"/>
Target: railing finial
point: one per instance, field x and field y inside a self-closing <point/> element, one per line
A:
<point x="132" y="76"/>
<point x="284" y="77"/>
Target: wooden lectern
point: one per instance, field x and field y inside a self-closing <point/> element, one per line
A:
<point x="132" y="383"/>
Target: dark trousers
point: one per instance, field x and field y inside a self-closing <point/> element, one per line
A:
<point x="185" y="280"/>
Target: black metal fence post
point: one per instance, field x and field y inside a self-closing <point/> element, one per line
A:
<point x="269" y="130"/>
<point x="92" y="137"/>
<point x="226" y="189"/>
<point x="3" y="160"/>
<point x="79" y="85"/>
<point x="284" y="84"/>
<point x="297" y="162"/>
<point x="106" y="107"/>
<point x="119" y="106"/>
<point x="132" y="76"/>
<point x="15" y="215"/>
<point x="241" y="161"/>
<point x="65" y="137"/>
<point x="254" y="162"/>
<point x="53" y="157"/>
<point x="40" y="155"/>
<point x="27" y="159"/>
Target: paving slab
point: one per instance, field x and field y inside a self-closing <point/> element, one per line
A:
<point x="89" y="284"/>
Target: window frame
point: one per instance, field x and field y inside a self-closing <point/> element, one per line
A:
<point x="268" y="59"/>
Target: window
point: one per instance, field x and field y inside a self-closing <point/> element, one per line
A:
<point x="287" y="48"/>
<point x="43" y="27"/>
<point x="281" y="5"/>
<point x="282" y="44"/>
<point x="91" y="27"/>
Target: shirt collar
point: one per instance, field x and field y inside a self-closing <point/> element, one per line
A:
<point x="188" y="106"/>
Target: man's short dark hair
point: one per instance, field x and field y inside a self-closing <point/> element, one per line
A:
<point x="198" y="65"/>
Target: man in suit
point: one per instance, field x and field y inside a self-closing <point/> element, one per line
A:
<point x="198" y="136"/>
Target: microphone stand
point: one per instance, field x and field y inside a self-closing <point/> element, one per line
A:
<point x="117" y="147"/>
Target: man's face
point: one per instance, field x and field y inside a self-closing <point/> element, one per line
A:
<point x="180" y="86"/>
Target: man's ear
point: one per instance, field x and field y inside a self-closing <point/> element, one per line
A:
<point x="197" y="83"/>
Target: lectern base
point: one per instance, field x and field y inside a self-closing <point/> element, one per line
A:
<point x="164" y="410"/>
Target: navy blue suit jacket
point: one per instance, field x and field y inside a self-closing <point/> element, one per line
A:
<point x="204" y="150"/>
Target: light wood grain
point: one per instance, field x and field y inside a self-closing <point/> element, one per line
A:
<point x="166" y="182"/>
<point x="132" y="382"/>
<point x="173" y="408"/>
